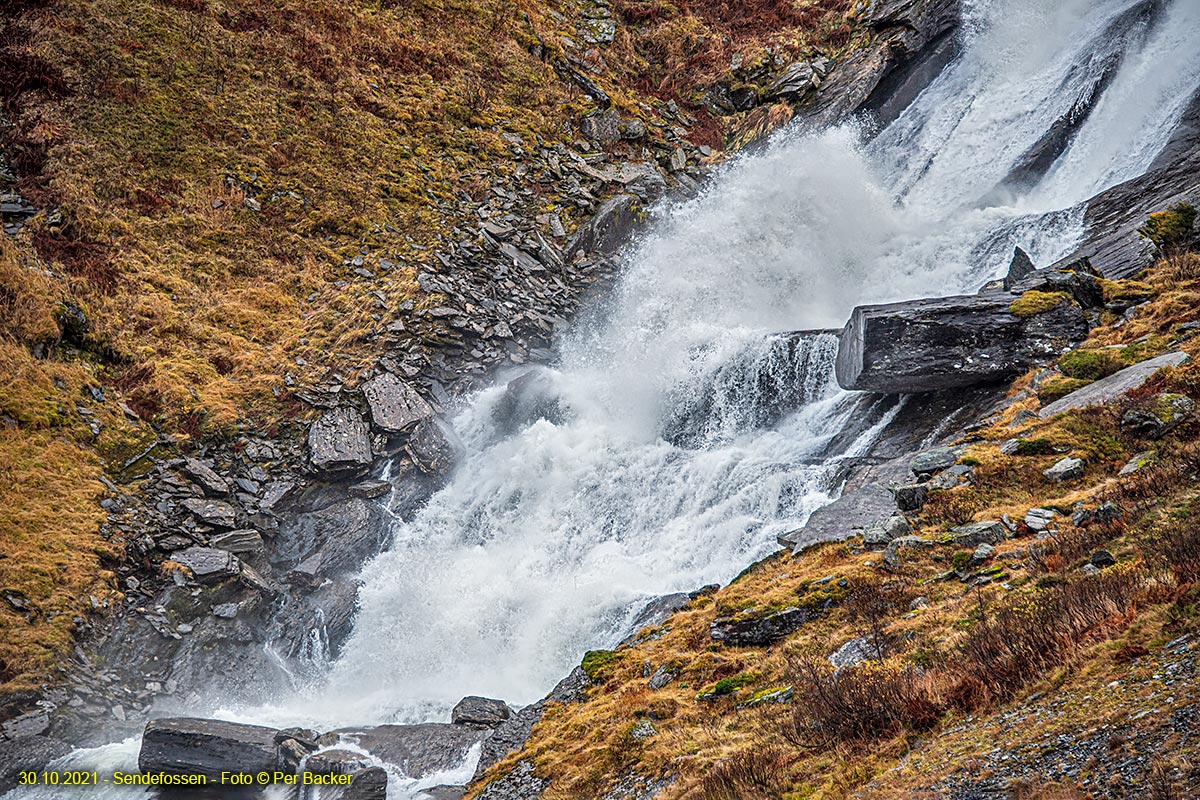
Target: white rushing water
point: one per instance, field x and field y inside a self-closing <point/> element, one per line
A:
<point x="672" y="464"/>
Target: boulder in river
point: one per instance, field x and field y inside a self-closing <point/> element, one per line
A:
<point x="951" y="342"/>
<point x="482" y="711"/>
<point x="191" y="746"/>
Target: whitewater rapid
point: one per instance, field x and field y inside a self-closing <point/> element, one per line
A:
<point x="668" y="467"/>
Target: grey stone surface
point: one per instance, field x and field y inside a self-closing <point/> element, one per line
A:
<point x="1066" y="469"/>
<point x="761" y="630"/>
<point x="611" y="226"/>
<point x="854" y="511"/>
<point x="950" y="342"/>
<point x="339" y="442"/>
<point x="205" y="476"/>
<point x="191" y="746"/>
<point x="1139" y="462"/>
<point x="934" y="460"/>
<point x="208" y="564"/>
<point x="854" y="652"/>
<point x="1115" y="386"/>
<point x="480" y="711"/>
<point x="977" y="533"/>
<point x="430" y="448"/>
<point x="244" y="542"/>
<point x="395" y="406"/>
<point x="212" y="512"/>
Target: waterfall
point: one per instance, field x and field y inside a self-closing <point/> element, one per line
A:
<point x="688" y="431"/>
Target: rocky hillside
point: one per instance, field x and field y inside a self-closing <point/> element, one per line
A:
<point x="220" y="214"/>
<point x="1011" y="614"/>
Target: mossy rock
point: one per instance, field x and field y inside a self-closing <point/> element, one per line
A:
<point x="1057" y="388"/>
<point x="1034" y="447"/>
<point x="599" y="664"/>
<point x="1090" y="365"/>
<point x="1125" y="291"/>
<point x="1033" y="302"/>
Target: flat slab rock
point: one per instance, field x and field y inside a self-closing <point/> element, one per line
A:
<point x="339" y="442"/>
<point x="1114" y="386"/>
<point x="394" y="405"/>
<point x="854" y="511"/>
<point x="191" y="746"/>
<point x="950" y="342"/>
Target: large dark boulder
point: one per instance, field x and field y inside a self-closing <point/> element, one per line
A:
<point x="759" y="631"/>
<point x="609" y="228"/>
<point x="394" y="405"/>
<point x="190" y="746"/>
<point x="950" y="342"/>
<point x="480" y="711"/>
<point x="339" y="442"/>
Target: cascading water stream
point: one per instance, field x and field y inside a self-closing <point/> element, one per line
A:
<point x="684" y="434"/>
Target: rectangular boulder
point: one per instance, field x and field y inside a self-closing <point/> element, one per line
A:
<point x="192" y="746"/>
<point x="951" y="342"/>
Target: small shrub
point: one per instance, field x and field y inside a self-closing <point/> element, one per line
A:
<point x="1034" y="302"/>
<point x="1090" y="365"/>
<point x="1177" y="549"/>
<point x="1034" y="447"/>
<point x="729" y="685"/>
<point x="758" y="774"/>
<point x="1022" y="639"/>
<point x="870" y="701"/>
<point x="1170" y="231"/>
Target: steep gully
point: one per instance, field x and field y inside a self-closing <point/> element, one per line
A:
<point x="678" y="434"/>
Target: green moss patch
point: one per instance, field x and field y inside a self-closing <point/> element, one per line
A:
<point x="1033" y="302"/>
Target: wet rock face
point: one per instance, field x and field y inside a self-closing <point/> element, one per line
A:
<point x="419" y="750"/>
<point x="330" y="540"/>
<point x="482" y="711"/>
<point x="950" y="342"/>
<point x="431" y="449"/>
<point x="528" y="398"/>
<point x="189" y="746"/>
<point x="339" y="443"/>
<point x="760" y="631"/>
<point x="395" y="406"/>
